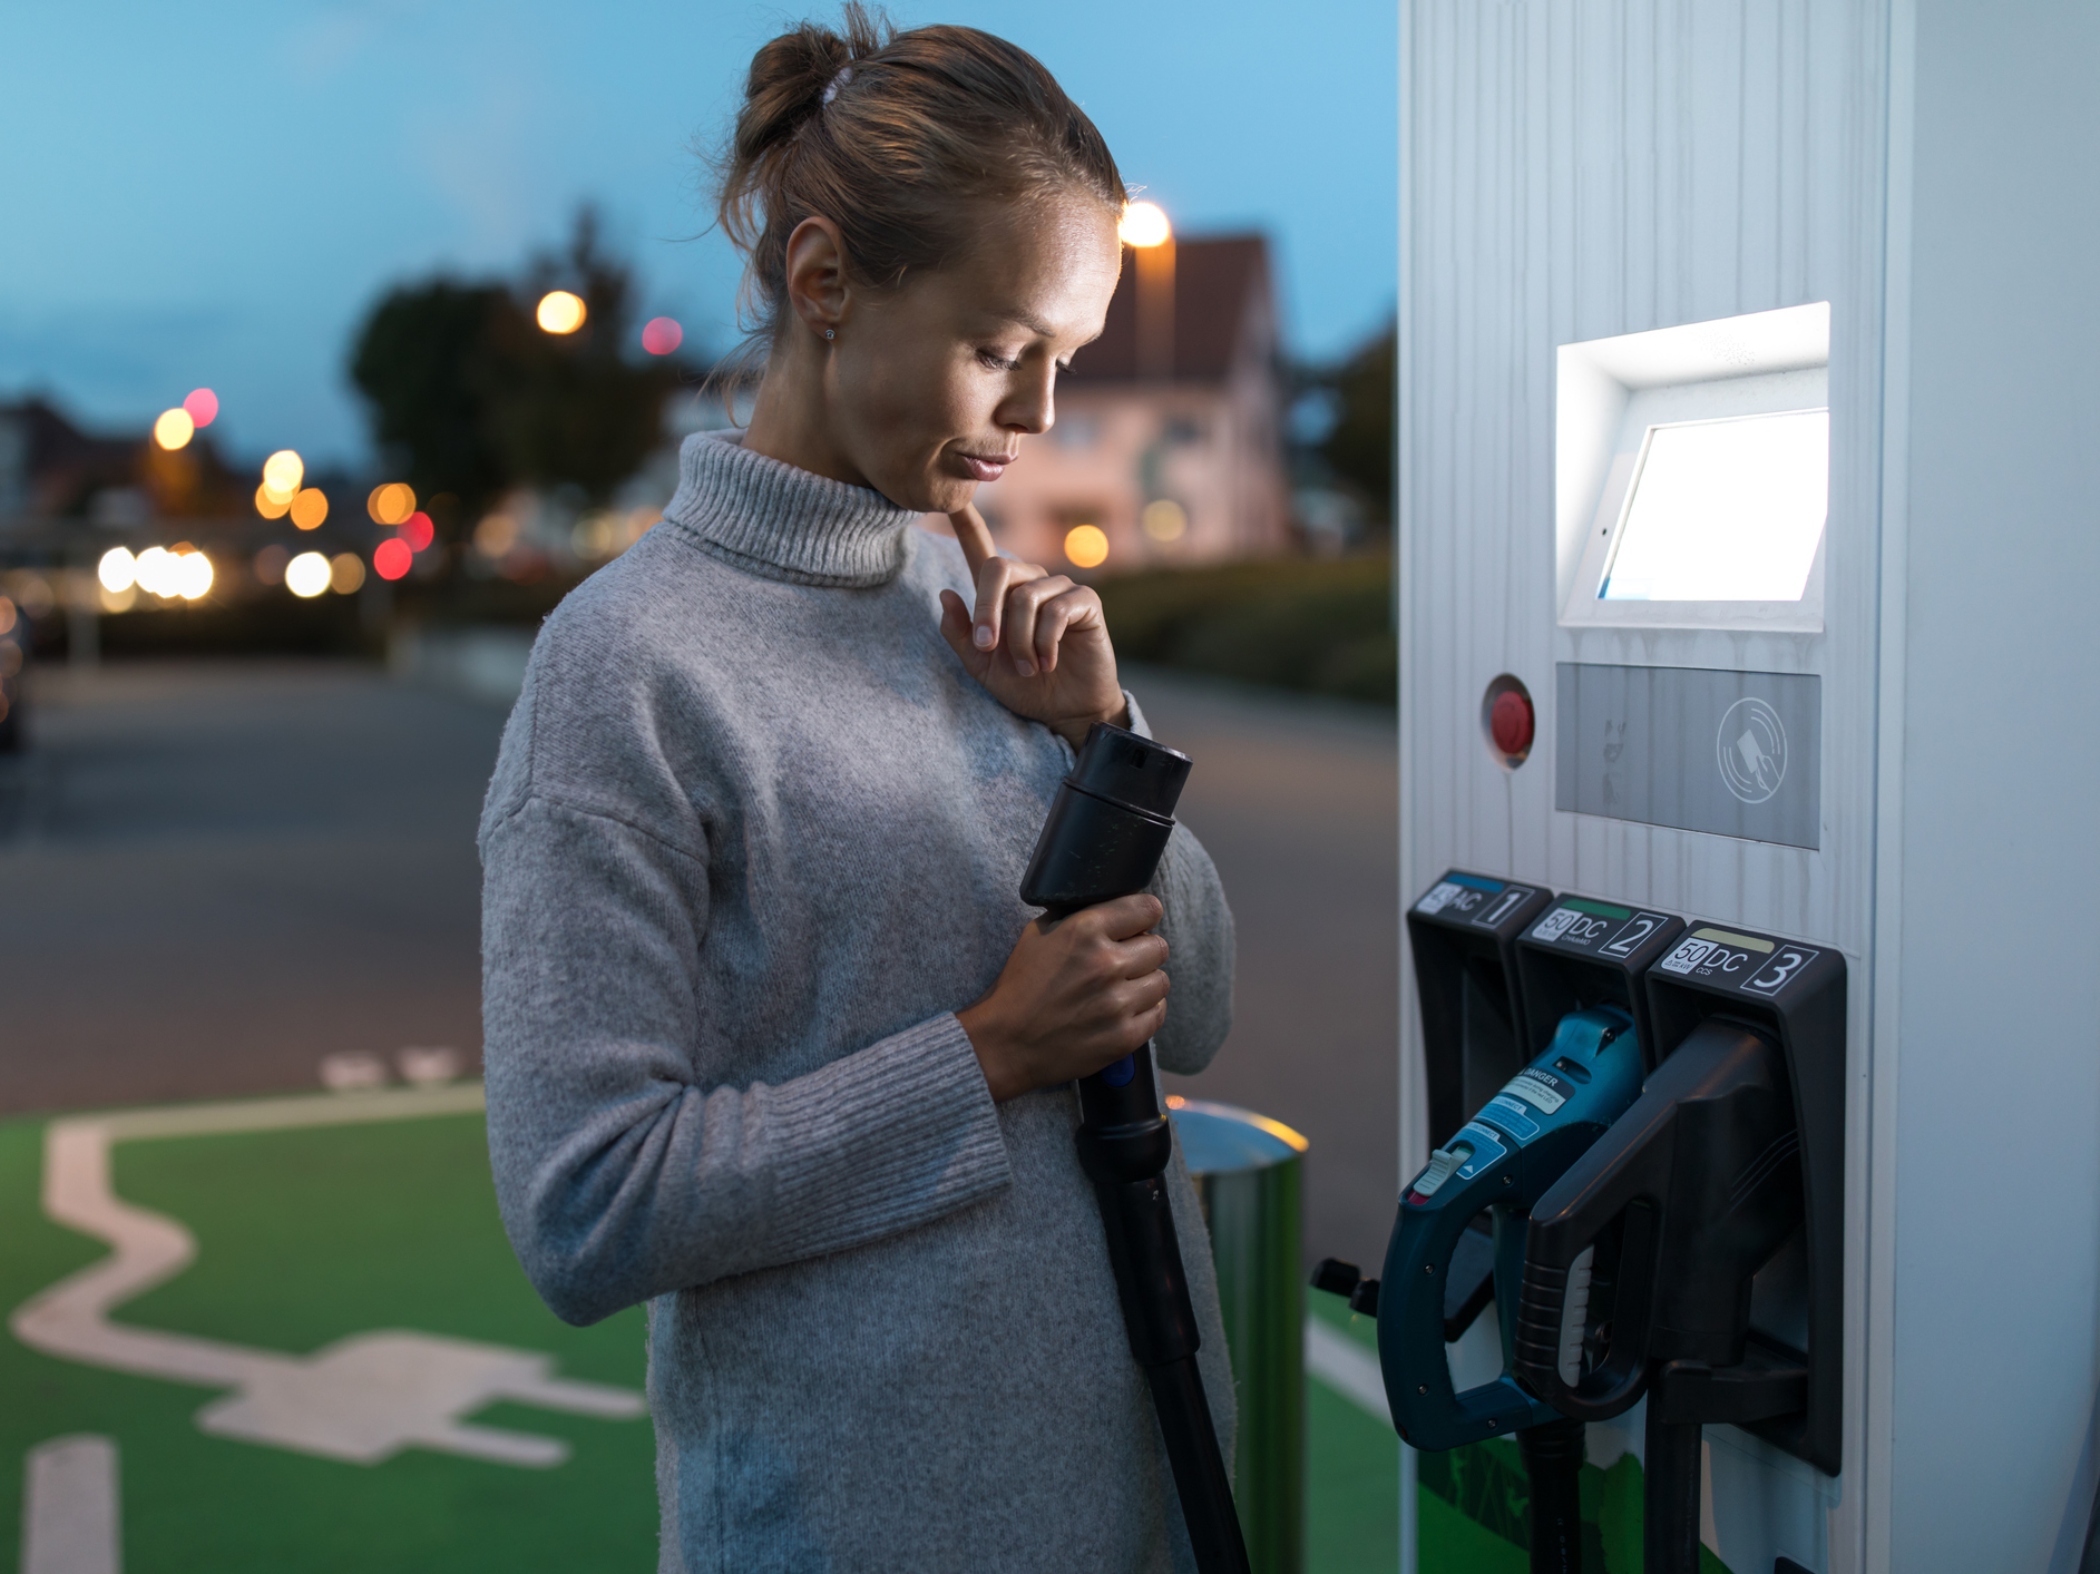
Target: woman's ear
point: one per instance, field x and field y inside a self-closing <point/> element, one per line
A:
<point x="817" y="287"/>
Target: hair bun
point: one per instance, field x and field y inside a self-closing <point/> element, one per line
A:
<point x="791" y="75"/>
<point x="921" y="128"/>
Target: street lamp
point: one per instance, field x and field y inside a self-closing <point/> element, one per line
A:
<point x="1146" y="231"/>
<point x="560" y="311"/>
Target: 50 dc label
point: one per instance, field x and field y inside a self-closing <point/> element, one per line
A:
<point x="1703" y="955"/>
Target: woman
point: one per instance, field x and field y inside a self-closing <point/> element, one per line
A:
<point x="772" y="1044"/>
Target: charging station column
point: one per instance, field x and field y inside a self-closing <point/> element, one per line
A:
<point x="1744" y="570"/>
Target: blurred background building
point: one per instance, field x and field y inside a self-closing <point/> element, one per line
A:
<point x="1169" y="440"/>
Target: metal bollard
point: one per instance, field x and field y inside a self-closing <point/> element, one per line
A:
<point x="1247" y="1172"/>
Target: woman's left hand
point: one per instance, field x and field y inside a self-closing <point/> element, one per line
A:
<point x="1035" y="639"/>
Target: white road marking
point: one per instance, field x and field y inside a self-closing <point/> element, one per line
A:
<point x="69" y="1507"/>
<point x="352" y="1070"/>
<point x="1346" y="1367"/>
<point x="425" y="1065"/>
<point x="361" y="1399"/>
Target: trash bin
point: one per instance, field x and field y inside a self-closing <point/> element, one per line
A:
<point x="1247" y="1171"/>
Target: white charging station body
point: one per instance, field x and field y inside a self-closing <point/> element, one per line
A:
<point x="1630" y="232"/>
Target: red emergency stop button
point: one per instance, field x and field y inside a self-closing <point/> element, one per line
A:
<point x="1511" y="722"/>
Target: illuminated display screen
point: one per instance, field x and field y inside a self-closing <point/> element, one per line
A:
<point x="1728" y="510"/>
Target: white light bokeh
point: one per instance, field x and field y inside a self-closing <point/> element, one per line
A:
<point x="118" y="570"/>
<point x="193" y="576"/>
<point x="1144" y="224"/>
<point x="155" y="571"/>
<point x="307" y="575"/>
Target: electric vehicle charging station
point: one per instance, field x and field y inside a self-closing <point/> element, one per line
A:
<point x="1747" y="367"/>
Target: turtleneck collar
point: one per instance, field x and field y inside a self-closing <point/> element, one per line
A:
<point x="785" y="523"/>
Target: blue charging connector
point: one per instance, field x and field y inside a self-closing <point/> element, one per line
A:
<point x="1504" y="1159"/>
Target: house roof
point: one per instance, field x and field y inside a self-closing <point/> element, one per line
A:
<point x="1217" y="281"/>
<point x="50" y="466"/>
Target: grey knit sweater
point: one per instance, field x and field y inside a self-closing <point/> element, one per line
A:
<point x="754" y="836"/>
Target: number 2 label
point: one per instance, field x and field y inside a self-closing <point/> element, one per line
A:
<point x="1632" y="935"/>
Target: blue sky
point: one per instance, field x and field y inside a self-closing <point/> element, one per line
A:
<point x="215" y="193"/>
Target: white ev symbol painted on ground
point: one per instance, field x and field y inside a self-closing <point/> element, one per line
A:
<point x="362" y="1399"/>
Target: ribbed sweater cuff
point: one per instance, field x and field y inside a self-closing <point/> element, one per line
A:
<point x="924" y="1140"/>
<point x="1138" y="724"/>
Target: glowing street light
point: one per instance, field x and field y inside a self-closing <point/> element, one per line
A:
<point x="118" y="570"/>
<point x="1087" y="545"/>
<point x="269" y="504"/>
<point x="309" y="508"/>
<point x="174" y="429"/>
<point x="1164" y="520"/>
<point x="154" y="572"/>
<point x="308" y="575"/>
<point x="1144" y="225"/>
<point x="561" y="311"/>
<point x="662" y="335"/>
<point x="1145" y="228"/>
<point x="392" y="558"/>
<point x="193" y="576"/>
<point x="391" y="503"/>
<point x="184" y="574"/>
<point x="202" y="405"/>
<point x="282" y="472"/>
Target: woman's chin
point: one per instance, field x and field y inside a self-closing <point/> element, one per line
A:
<point x="944" y="494"/>
<point x="925" y="488"/>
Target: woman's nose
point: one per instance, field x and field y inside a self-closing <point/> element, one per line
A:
<point x="1030" y="410"/>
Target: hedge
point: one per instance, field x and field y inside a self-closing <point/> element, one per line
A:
<point x="1317" y="625"/>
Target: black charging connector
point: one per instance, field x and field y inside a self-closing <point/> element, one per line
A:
<point x="1732" y="1154"/>
<point x="1106" y="831"/>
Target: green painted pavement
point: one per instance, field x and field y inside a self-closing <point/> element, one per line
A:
<point x="307" y="1236"/>
<point x="1352" y="1464"/>
<point x="1471" y="1502"/>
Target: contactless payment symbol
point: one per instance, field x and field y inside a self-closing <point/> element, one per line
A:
<point x="1751" y="748"/>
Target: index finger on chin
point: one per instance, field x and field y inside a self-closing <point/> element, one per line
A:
<point x="988" y="573"/>
<point x="974" y="536"/>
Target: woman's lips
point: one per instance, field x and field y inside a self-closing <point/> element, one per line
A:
<point x="986" y="469"/>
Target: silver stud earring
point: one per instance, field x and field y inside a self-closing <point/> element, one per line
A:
<point x="831" y="333"/>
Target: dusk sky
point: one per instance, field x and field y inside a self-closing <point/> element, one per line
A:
<point x="215" y="194"/>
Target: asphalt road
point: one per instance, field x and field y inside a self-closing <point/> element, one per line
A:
<point x="213" y="876"/>
<point x="1296" y="802"/>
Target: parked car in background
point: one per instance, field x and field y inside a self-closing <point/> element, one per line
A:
<point x="14" y="661"/>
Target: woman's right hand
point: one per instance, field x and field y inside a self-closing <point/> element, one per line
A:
<point x="1078" y="994"/>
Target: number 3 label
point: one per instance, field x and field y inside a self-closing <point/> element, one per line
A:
<point x="1789" y="961"/>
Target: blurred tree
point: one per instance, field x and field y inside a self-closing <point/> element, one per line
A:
<point x="572" y="409"/>
<point x="423" y="363"/>
<point x="1359" y="446"/>
<point x="470" y="397"/>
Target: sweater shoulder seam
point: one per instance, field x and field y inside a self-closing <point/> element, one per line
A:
<point x="556" y="801"/>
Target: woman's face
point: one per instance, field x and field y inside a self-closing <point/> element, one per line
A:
<point x="932" y="385"/>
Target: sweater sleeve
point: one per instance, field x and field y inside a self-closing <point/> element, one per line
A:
<point x="1197" y="927"/>
<point x="1198" y="931"/>
<point x="623" y="1170"/>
